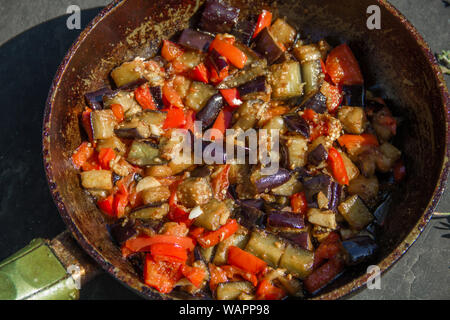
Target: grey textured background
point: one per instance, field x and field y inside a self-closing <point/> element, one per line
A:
<point x="33" y="40"/>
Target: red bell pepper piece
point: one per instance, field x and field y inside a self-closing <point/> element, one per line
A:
<point x="353" y="141"/>
<point x="229" y="51"/>
<point x="216" y="78"/>
<point x="105" y="156"/>
<point x="143" y="243"/>
<point x="195" y="275"/>
<point x="233" y="272"/>
<point x="399" y="171"/>
<point x="171" y="96"/>
<point x="189" y="120"/>
<point x="212" y="238"/>
<point x="299" y="203"/>
<point x="220" y="183"/>
<point x="168" y="252"/>
<point x="337" y="166"/>
<point x="264" y="20"/>
<point x="217" y="276"/>
<point x="161" y="275"/>
<point x="245" y="261"/>
<point x="200" y="73"/>
<point x="196" y="232"/>
<point x="222" y="123"/>
<point x="170" y="51"/>
<point x="106" y="205"/>
<point x="144" y="97"/>
<point x="267" y="291"/>
<point x="318" y="127"/>
<point x="117" y="110"/>
<point x="176" y="214"/>
<point x="120" y="203"/>
<point x="343" y="67"/>
<point x="83" y="153"/>
<point x="323" y="275"/>
<point x="175" y="118"/>
<point x="333" y="94"/>
<point x="232" y="97"/>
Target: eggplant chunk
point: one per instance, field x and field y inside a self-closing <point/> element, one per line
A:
<point x="147" y="183"/>
<point x="297" y="149"/>
<point x="325" y="219"/>
<point x="366" y="188"/>
<point x="103" y="123"/>
<point x="258" y="68"/>
<point x="297" y="124"/>
<point x="132" y="130"/>
<point x="211" y="110"/>
<point x="266" y="246"/>
<point x="232" y="290"/>
<point x="318" y="155"/>
<point x="283" y="32"/>
<point x="199" y="95"/>
<point x="248" y="114"/>
<point x="218" y="61"/>
<point x="291" y="187"/>
<point x="245" y="28"/>
<point x="215" y="214"/>
<point x="154" y="120"/>
<point x="126" y="100"/>
<point x="283" y="219"/>
<point x="122" y="230"/>
<point x="95" y="99"/>
<point x="286" y="80"/>
<point x="195" y="40"/>
<point x="194" y="192"/>
<point x="387" y="157"/>
<point x="97" y="179"/>
<point x="143" y="154"/>
<point x="306" y="53"/>
<point x="350" y="167"/>
<point x="254" y="89"/>
<point x="359" y="249"/>
<point x="268" y="46"/>
<point x="151" y="212"/>
<point x="156" y="195"/>
<point x="297" y="261"/>
<point x="301" y="239"/>
<point x="355" y="212"/>
<point x="219" y="17"/>
<point x="157" y="96"/>
<point x="353" y="119"/>
<point x="312" y="75"/>
<point x="113" y="143"/>
<point x="250" y="216"/>
<point x="315" y="101"/>
<point x="264" y="183"/>
<point x="239" y="239"/>
<point x="128" y="72"/>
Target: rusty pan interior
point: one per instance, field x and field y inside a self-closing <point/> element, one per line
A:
<point x="395" y="58"/>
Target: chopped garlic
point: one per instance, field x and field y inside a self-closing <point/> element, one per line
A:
<point x="195" y="213"/>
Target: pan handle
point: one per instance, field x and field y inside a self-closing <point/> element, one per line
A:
<point x="46" y="270"/>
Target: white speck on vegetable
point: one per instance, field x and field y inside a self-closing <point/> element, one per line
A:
<point x="195" y="213"/>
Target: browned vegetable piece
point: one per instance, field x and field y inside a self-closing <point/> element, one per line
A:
<point x="387" y="157"/>
<point x="297" y="149"/>
<point x="215" y="214"/>
<point x="199" y="94"/>
<point x="194" y="192"/>
<point x="352" y="170"/>
<point x="366" y="188"/>
<point x="266" y="246"/>
<point x="97" y="179"/>
<point x="286" y="80"/>
<point x="297" y="261"/>
<point x="239" y="239"/>
<point x="353" y="119"/>
<point x="355" y="212"/>
<point x="156" y="194"/>
<point x="128" y="72"/>
<point x="133" y="130"/>
<point x="151" y="212"/>
<point x="233" y="290"/>
<point x="103" y="122"/>
<point x="114" y="143"/>
<point x="283" y="32"/>
<point x="268" y="46"/>
<point x="325" y="219"/>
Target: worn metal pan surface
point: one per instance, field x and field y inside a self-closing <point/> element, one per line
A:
<point x="395" y="58"/>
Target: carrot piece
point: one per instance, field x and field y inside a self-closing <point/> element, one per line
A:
<point x="142" y="243"/>
<point x="117" y="109"/>
<point x="343" y="67"/>
<point x="195" y="275"/>
<point x="83" y="153"/>
<point x="229" y="51"/>
<point x="337" y="166"/>
<point x="267" y="291"/>
<point x="161" y="275"/>
<point x="168" y="252"/>
<point x="323" y="275"/>
<point x="245" y="261"/>
<point x="170" y="51"/>
<point x="218" y="275"/>
<point x="299" y="203"/>
<point x="264" y="20"/>
<point x="144" y="97"/>
<point x="212" y="238"/>
<point x="105" y="156"/>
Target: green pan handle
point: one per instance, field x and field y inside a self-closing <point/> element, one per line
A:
<point x="46" y="270"/>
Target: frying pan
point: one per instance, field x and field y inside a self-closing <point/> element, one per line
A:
<point x="395" y="61"/>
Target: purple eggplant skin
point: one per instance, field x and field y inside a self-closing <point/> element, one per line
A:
<point x="218" y="17"/>
<point x="250" y="217"/>
<point x="335" y="196"/>
<point x="245" y="28"/>
<point x="210" y="111"/>
<point x="316" y="102"/>
<point x="284" y="156"/>
<point x="201" y="172"/>
<point x="354" y="95"/>
<point x="320" y="183"/>
<point x="268" y="46"/>
<point x="95" y="99"/>
<point x="132" y="85"/>
<point x="195" y="40"/>
<point x="359" y="249"/>
<point x="302" y="174"/>
<point x="381" y="212"/>
<point x="273" y="181"/>
<point x="318" y="155"/>
<point x="285" y="220"/>
<point x="256" y="85"/>
<point x="254" y="203"/>
<point x="301" y="239"/>
<point x="297" y="124"/>
<point x="157" y="97"/>
<point x="122" y="230"/>
<point x="217" y="61"/>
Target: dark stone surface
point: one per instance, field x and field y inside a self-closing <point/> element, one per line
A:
<point x="34" y="39"/>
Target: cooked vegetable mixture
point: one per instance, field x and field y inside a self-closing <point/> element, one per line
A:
<point x="227" y="230"/>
